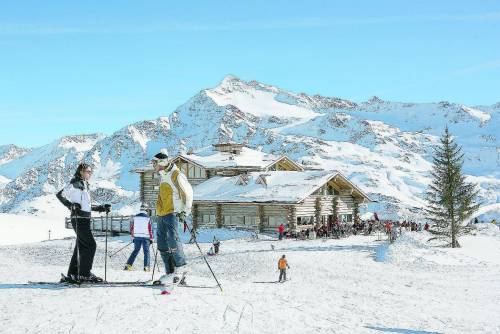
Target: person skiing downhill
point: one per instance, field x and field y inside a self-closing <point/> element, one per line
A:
<point x="175" y="198"/>
<point x="282" y="265"/>
<point x="142" y="235"/>
<point x="76" y="197"/>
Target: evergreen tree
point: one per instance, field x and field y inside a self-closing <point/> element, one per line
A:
<point x="450" y="198"/>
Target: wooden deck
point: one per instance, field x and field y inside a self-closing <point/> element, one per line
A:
<point x="114" y="224"/>
<point x="121" y="225"/>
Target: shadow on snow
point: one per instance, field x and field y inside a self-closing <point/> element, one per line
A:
<point x="399" y="330"/>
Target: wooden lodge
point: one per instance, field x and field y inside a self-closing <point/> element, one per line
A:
<point x="238" y="186"/>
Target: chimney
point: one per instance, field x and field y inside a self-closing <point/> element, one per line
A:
<point x="229" y="147"/>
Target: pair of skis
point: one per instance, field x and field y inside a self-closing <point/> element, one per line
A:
<point x="115" y="284"/>
<point x="180" y="282"/>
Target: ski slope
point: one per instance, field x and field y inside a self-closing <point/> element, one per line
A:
<point x="353" y="285"/>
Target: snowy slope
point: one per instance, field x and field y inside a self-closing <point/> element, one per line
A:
<point x="18" y="229"/>
<point x="384" y="147"/>
<point x="353" y="285"/>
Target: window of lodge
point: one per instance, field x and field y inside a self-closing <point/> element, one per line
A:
<point x="307" y="220"/>
<point x="209" y="219"/>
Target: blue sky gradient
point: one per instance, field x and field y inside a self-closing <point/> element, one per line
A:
<point x="70" y="67"/>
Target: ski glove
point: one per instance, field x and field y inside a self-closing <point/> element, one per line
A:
<point x="102" y="208"/>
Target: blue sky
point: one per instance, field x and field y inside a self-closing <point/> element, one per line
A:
<point x="69" y="67"/>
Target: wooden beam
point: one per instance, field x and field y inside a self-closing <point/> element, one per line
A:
<point x="218" y="215"/>
<point x="194" y="212"/>
<point x="317" y="210"/>
<point x="261" y="218"/>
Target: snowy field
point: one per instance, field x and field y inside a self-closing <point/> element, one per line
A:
<point x="23" y="228"/>
<point x="352" y="285"/>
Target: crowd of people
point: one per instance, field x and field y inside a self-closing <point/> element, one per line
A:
<point x="339" y="229"/>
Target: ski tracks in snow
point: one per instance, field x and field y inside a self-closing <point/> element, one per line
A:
<point x="241" y="321"/>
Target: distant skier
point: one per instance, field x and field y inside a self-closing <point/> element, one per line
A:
<point x="370" y="227"/>
<point x="211" y="251"/>
<point x="175" y="198"/>
<point x="142" y="235"/>
<point x="282" y="266"/>
<point x="76" y="197"/>
<point x="393" y="234"/>
<point x="216" y="244"/>
<point x="281" y="231"/>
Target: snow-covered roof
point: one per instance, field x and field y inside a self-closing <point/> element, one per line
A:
<point x="247" y="158"/>
<point x="269" y="186"/>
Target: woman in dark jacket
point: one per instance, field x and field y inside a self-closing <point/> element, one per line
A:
<point x="76" y="197"/>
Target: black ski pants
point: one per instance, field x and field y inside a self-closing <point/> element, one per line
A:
<point x="282" y="275"/>
<point x="85" y="247"/>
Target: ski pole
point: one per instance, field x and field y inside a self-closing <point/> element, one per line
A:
<point x="77" y="250"/>
<point x="204" y="258"/>
<point x="76" y="217"/>
<point x="118" y="251"/>
<point x="106" y="248"/>
<point x="157" y="264"/>
<point x="154" y="264"/>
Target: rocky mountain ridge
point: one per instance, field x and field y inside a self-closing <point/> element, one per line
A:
<point x="384" y="147"/>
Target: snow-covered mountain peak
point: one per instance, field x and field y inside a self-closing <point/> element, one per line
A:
<point x="229" y="84"/>
<point x="482" y="116"/>
<point x="11" y="152"/>
<point x="374" y="100"/>
<point x="258" y="99"/>
<point x="79" y="143"/>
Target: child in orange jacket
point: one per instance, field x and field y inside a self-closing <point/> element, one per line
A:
<point x="282" y="265"/>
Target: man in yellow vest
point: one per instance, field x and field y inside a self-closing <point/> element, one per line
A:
<point x="282" y="265"/>
<point x="175" y="198"/>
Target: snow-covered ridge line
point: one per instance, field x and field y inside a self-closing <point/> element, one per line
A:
<point x="384" y="147"/>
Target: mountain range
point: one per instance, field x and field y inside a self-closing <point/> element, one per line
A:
<point x="383" y="147"/>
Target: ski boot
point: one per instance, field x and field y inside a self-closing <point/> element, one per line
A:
<point x="164" y="279"/>
<point x="91" y="278"/>
<point x="70" y="279"/>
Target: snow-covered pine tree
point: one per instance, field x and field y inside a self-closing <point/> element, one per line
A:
<point x="451" y="199"/>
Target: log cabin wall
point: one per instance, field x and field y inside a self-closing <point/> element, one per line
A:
<point x="240" y="215"/>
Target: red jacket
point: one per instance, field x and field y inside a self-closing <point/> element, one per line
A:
<point x="281" y="228"/>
